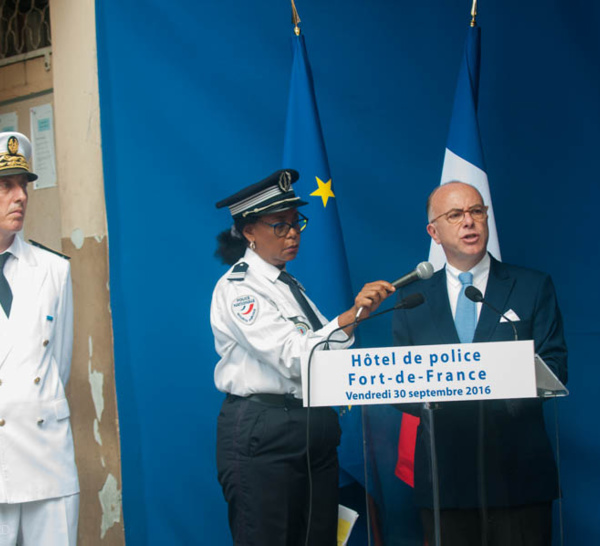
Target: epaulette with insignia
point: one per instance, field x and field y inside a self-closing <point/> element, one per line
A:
<point x="40" y="245"/>
<point x="238" y="273"/>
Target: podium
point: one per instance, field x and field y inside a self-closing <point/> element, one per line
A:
<point x="428" y="373"/>
<point x="500" y="382"/>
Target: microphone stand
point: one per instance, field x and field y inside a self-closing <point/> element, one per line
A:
<point x="475" y="295"/>
<point x="435" y="479"/>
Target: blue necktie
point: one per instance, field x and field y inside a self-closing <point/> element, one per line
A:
<point x="6" y="296"/>
<point x="466" y="311"/>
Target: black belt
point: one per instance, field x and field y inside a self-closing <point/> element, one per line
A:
<point x="278" y="400"/>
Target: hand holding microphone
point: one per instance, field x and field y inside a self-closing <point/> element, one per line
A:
<point x="423" y="271"/>
<point x="372" y="295"/>
<point x="369" y="298"/>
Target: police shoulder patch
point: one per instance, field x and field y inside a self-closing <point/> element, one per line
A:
<point x="238" y="273"/>
<point x="245" y="308"/>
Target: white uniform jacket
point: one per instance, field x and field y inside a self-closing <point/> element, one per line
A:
<point x="36" y="445"/>
<point x="261" y="332"/>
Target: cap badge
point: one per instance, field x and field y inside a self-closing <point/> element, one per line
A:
<point x="13" y="145"/>
<point x="285" y="181"/>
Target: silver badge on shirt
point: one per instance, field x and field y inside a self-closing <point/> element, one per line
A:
<point x="301" y="326"/>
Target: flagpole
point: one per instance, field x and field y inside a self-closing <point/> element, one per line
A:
<point x="473" y="13"/>
<point x="304" y="149"/>
<point x="295" y="19"/>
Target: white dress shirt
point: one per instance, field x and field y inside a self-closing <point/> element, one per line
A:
<point x="261" y="332"/>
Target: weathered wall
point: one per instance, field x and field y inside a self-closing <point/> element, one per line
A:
<point x="84" y="238"/>
<point x="22" y="86"/>
<point x="71" y="218"/>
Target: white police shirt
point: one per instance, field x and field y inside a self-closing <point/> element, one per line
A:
<point x="261" y="331"/>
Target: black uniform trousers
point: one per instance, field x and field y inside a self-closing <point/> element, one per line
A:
<point x="262" y="468"/>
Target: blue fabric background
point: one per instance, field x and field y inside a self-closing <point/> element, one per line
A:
<point x="193" y="104"/>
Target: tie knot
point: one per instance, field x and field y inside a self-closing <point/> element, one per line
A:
<point x="3" y="258"/>
<point x="466" y="278"/>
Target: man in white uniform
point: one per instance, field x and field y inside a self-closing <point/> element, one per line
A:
<point x="39" y="489"/>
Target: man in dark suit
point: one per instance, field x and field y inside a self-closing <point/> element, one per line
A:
<point x="497" y="475"/>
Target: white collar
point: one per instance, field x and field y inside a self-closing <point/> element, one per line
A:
<point x="264" y="268"/>
<point x="16" y="248"/>
<point x="481" y="269"/>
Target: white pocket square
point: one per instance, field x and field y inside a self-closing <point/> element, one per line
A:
<point x="511" y="315"/>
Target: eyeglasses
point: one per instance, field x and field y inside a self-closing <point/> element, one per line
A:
<point x="281" y="229"/>
<point x="455" y="216"/>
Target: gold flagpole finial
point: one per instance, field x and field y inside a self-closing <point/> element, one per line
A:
<point x="295" y="19"/>
<point x="473" y="13"/>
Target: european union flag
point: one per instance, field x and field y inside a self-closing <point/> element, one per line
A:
<point x="321" y="265"/>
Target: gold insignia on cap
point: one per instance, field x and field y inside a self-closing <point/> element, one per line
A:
<point x="11" y="158"/>
<point x="8" y="161"/>
<point x="285" y="181"/>
<point x="13" y="145"/>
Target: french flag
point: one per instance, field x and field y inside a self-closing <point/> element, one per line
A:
<point x="464" y="162"/>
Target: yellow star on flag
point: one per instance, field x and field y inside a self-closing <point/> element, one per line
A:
<point x="324" y="191"/>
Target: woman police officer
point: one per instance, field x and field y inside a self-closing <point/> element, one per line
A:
<point x="262" y="324"/>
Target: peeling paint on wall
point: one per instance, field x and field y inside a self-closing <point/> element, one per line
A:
<point x="110" y="500"/>
<point x="97" y="436"/>
<point x="96" y="380"/>
<point x="77" y="238"/>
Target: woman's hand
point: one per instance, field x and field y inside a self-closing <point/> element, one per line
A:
<point x="368" y="300"/>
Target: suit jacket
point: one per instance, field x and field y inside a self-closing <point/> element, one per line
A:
<point x="518" y="463"/>
<point x="36" y="445"/>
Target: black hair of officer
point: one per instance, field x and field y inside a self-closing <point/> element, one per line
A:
<point x="231" y="243"/>
<point x="273" y="194"/>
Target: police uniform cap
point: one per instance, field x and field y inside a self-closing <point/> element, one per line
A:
<point x="273" y="194"/>
<point x="15" y="155"/>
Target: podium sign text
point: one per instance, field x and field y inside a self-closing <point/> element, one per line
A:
<point x="423" y="373"/>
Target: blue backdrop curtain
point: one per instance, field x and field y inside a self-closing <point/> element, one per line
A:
<point x="193" y="105"/>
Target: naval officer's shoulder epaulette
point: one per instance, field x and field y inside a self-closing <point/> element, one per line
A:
<point x="43" y="247"/>
<point x="238" y="273"/>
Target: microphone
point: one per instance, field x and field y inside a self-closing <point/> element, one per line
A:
<point x="474" y="294"/>
<point x="409" y="302"/>
<point x="423" y="271"/>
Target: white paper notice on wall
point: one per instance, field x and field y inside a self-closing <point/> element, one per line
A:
<point x="42" y="140"/>
<point x="9" y="122"/>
